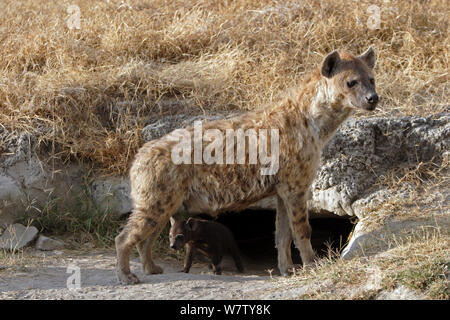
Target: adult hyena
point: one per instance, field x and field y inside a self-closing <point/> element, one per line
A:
<point x="304" y="120"/>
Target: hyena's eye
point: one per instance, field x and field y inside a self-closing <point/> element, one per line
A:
<point x="352" y="83"/>
<point x="372" y="81"/>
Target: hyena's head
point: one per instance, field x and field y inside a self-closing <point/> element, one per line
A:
<point x="179" y="233"/>
<point x="350" y="79"/>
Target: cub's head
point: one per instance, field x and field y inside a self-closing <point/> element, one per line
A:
<point x="179" y="233"/>
<point x="350" y="79"/>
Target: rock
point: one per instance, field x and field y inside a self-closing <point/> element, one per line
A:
<point x="400" y="293"/>
<point x="9" y="190"/>
<point x="47" y="244"/>
<point x="17" y="236"/>
<point x="25" y="178"/>
<point x="363" y="150"/>
<point x="161" y="127"/>
<point x="112" y="194"/>
<point x="368" y="239"/>
<point x="5" y="219"/>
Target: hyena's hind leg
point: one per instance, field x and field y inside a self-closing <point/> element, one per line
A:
<point x="142" y="229"/>
<point x="136" y="230"/>
<point x="145" y="251"/>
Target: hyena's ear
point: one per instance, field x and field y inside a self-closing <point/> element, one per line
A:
<point x="172" y="221"/>
<point x="369" y="57"/>
<point x="329" y="64"/>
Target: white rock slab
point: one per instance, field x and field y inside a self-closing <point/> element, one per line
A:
<point x="17" y="236"/>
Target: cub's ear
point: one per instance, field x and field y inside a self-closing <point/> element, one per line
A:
<point x="172" y="221"/>
<point x="369" y="57"/>
<point x="329" y="64"/>
<point x="191" y="224"/>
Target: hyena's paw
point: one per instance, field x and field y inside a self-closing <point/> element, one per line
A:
<point x="291" y="270"/>
<point x="299" y="268"/>
<point x="308" y="265"/>
<point x="127" y="279"/>
<point x="152" y="268"/>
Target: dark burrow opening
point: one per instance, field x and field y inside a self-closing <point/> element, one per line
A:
<point x="254" y="231"/>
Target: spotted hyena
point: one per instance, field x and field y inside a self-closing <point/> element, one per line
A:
<point x="304" y="120"/>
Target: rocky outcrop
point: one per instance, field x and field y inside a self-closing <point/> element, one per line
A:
<point x="363" y="150"/>
<point x="25" y="179"/>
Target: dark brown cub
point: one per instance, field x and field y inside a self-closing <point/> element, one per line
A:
<point x="209" y="238"/>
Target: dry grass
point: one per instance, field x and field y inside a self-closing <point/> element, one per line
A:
<point x="419" y="263"/>
<point x="86" y="94"/>
<point x="418" y="192"/>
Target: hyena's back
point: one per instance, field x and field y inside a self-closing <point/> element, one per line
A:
<point x="156" y="181"/>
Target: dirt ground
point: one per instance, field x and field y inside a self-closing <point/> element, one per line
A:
<point x="45" y="275"/>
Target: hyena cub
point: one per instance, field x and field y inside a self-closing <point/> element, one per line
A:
<point x="300" y="125"/>
<point x="208" y="238"/>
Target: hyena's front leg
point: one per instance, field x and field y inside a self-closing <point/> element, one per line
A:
<point x="295" y="202"/>
<point x="283" y="238"/>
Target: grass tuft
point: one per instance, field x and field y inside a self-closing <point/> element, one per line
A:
<point x="80" y="221"/>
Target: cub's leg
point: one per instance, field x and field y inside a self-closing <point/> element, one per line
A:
<point x="237" y="258"/>
<point x="188" y="258"/>
<point x="216" y="260"/>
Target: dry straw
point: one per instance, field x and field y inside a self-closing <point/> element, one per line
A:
<point x="88" y="92"/>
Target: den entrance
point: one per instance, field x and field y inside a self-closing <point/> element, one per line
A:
<point x="254" y="231"/>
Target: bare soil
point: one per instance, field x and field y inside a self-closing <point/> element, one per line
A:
<point x="45" y="276"/>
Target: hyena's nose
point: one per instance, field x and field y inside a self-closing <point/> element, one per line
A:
<point x="372" y="99"/>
